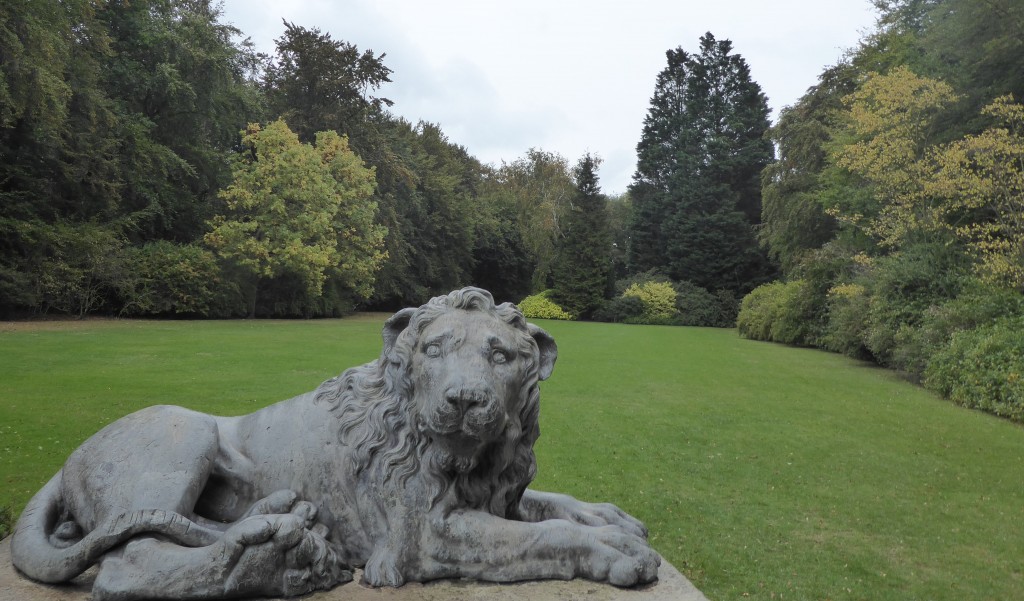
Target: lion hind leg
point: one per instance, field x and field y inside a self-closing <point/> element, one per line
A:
<point x="49" y="546"/>
<point x="264" y="555"/>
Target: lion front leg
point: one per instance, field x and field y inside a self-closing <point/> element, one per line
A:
<point x="537" y="506"/>
<point x="479" y="545"/>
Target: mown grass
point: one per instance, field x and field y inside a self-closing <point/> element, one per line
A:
<point x="763" y="471"/>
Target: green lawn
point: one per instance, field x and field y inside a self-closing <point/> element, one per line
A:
<point x="763" y="471"/>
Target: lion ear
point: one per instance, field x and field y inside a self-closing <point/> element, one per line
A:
<point x="394" y="326"/>
<point x="548" y="351"/>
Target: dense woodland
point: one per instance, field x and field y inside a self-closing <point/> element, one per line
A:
<point x="152" y="163"/>
<point x="896" y="207"/>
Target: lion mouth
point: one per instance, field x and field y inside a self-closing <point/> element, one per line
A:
<point x="458" y="451"/>
<point x="459" y="443"/>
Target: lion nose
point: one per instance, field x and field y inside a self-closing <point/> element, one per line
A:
<point x="465" y="399"/>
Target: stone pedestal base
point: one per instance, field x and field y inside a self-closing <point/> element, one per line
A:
<point x="671" y="586"/>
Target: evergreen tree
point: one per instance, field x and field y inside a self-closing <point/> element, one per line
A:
<point x="316" y="83"/>
<point x="583" y="264"/>
<point x="428" y="202"/>
<point x="114" y="121"/>
<point x="793" y="219"/>
<point x="696" y="190"/>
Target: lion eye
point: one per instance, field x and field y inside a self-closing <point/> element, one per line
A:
<point x="499" y="356"/>
<point x="433" y="350"/>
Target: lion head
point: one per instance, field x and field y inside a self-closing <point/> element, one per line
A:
<point x="453" y="398"/>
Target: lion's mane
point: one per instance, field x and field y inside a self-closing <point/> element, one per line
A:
<point x="379" y="423"/>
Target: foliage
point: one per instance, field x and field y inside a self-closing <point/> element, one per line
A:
<point x="659" y="299"/>
<point x="674" y="303"/>
<point x="299" y="210"/>
<point x="974" y="45"/>
<point x="889" y="123"/>
<point x="316" y="83"/>
<point x="501" y="261"/>
<point x="977" y="305"/>
<point x="793" y="218"/>
<point x="696" y="306"/>
<point x="582" y="270"/>
<point x="759" y="310"/>
<point x="540" y="306"/>
<point x="913" y="146"/>
<point x="439" y="225"/>
<point x="116" y="114"/>
<point x="982" y="179"/>
<point x="427" y="193"/>
<point x="777" y="312"/>
<point x="172" y="279"/>
<point x="84" y="267"/>
<point x="538" y="189"/>
<point x="182" y="89"/>
<point x="619" y="209"/>
<point x="983" y="368"/>
<point x="621" y="309"/>
<point x="849" y="310"/>
<point x="696" y="190"/>
<point x="876" y="312"/>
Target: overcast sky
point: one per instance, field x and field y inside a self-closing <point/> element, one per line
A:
<point x="566" y="76"/>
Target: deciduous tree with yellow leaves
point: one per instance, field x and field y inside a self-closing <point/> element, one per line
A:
<point x="299" y="210"/>
<point x="981" y="182"/>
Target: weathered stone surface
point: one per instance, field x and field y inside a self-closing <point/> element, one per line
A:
<point x="670" y="586"/>
<point x="413" y="468"/>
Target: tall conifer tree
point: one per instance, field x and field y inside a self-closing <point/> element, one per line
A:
<point x="696" y="190"/>
<point x="583" y="264"/>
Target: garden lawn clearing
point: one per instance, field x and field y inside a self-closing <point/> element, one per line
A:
<point x="762" y="471"/>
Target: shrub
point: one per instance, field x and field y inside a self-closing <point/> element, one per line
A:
<point x="652" y="298"/>
<point x="659" y="300"/>
<point x="983" y="368"/>
<point x="979" y="305"/>
<point x="848" y="308"/>
<point x="795" y="318"/>
<point x="622" y="309"/>
<point x="758" y="310"/>
<point x="170" y="279"/>
<point x="821" y="270"/>
<point x="540" y="306"/>
<point x="903" y="287"/>
<point x="84" y="267"/>
<point x="695" y="306"/>
<point x="639" y="279"/>
<point x="780" y="312"/>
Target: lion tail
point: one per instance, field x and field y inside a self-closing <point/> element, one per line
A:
<point x="43" y="556"/>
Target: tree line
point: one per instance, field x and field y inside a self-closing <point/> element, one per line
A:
<point x="152" y="162"/>
<point x="896" y="206"/>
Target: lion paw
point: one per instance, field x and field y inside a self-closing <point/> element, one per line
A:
<point x="606" y="514"/>
<point x="620" y="559"/>
<point x="541" y="506"/>
<point x="280" y="501"/>
<point x="283" y="554"/>
<point x="382" y="570"/>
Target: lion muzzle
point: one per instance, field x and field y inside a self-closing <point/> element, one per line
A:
<point x="466" y="399"/>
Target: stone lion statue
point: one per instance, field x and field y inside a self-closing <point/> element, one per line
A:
<point x="413" y="467"/>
